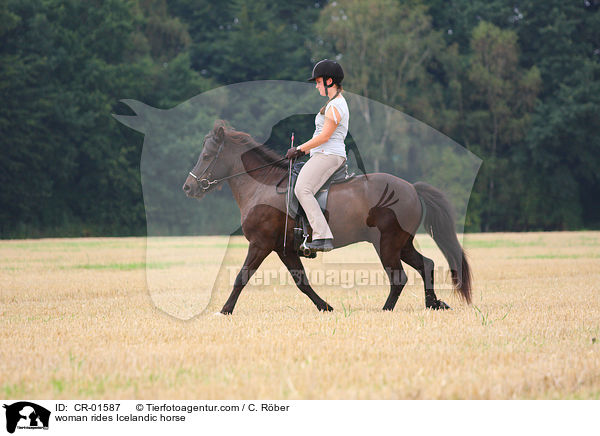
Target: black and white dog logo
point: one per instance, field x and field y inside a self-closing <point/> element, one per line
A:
<point x="26" y="415"/>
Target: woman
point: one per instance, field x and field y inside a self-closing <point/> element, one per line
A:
<point x="327" y="150"/>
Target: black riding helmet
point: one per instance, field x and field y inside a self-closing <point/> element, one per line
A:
<point x="328" y="69"/>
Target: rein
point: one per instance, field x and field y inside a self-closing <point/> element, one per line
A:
<point x="205" y="184"/>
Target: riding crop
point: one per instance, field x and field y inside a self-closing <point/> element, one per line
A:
<point x="287" y="199"/>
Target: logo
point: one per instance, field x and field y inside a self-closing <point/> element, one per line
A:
<point x="26" y="415"/>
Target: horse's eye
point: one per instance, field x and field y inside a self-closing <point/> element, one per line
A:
<point x="205" y="157"/>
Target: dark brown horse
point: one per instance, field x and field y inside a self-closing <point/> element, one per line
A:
<point x="379" y="208"/>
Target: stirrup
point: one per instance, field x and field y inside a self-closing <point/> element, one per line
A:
<point x="325" y="245"/>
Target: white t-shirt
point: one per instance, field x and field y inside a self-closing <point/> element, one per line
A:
<point x="335" y="144"/>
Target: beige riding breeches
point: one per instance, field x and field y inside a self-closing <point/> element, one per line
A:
<point x="312" y="176"/>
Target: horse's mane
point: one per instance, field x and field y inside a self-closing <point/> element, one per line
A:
<point x="264" y="153"/>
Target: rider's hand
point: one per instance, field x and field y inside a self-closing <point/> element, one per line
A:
<point x="293" y="153"/>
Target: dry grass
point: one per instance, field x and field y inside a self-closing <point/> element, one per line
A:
<point x="77" y="322"/>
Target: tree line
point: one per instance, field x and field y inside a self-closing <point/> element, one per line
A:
<point x="515" y="82"/>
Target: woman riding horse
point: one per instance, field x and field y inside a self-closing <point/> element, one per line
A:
<point x="327" y="150"/>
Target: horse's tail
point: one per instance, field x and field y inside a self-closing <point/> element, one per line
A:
<point x="439" y="223"/>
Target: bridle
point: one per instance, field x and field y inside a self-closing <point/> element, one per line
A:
<point x="205" y="183"/>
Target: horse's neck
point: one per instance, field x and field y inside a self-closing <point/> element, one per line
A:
<point x="241" y="187"/>
<point x="250" y="185"/>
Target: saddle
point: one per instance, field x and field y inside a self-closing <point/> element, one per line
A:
<point x="301" y="231"/>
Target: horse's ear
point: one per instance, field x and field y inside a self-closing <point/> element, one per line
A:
<point x="220" y="133"/>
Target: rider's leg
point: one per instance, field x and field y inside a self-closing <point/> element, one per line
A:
<point x="313" y="175"/>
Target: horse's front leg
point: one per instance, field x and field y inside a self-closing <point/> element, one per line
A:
<point x="294" y="265"/>
<point x="253" y="260"/>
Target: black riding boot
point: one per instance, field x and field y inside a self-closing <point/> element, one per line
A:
<point x="321" y="245"/>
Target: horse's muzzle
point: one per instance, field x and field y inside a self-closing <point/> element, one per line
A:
<point x="192" y="189"/>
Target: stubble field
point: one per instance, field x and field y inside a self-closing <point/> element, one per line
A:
<point x="77" y="321"/>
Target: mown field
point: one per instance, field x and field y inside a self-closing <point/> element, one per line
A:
<point x="87" y="318"/>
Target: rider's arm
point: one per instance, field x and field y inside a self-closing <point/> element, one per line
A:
<point x="329" y="127"/>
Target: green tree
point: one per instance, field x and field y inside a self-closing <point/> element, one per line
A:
<point x="563" y="147"/>
<point x="245" y="40"/>
<point x="555" y="165"/>
<point x="503" y="95"/>
<point x="67" y="167"/>
<point x="385" y="48"/>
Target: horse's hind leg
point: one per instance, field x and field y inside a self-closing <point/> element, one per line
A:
<point x="425" y="267"/>
<point x="294" y="265"/>
<point x="253" y="260"/>
<point x="389" y="253"/>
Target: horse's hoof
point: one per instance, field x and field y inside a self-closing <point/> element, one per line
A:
<point x="438" y="305"/>
<point x="443" y="306"/>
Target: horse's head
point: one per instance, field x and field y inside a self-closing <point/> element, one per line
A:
<point x="212" y="164"/>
